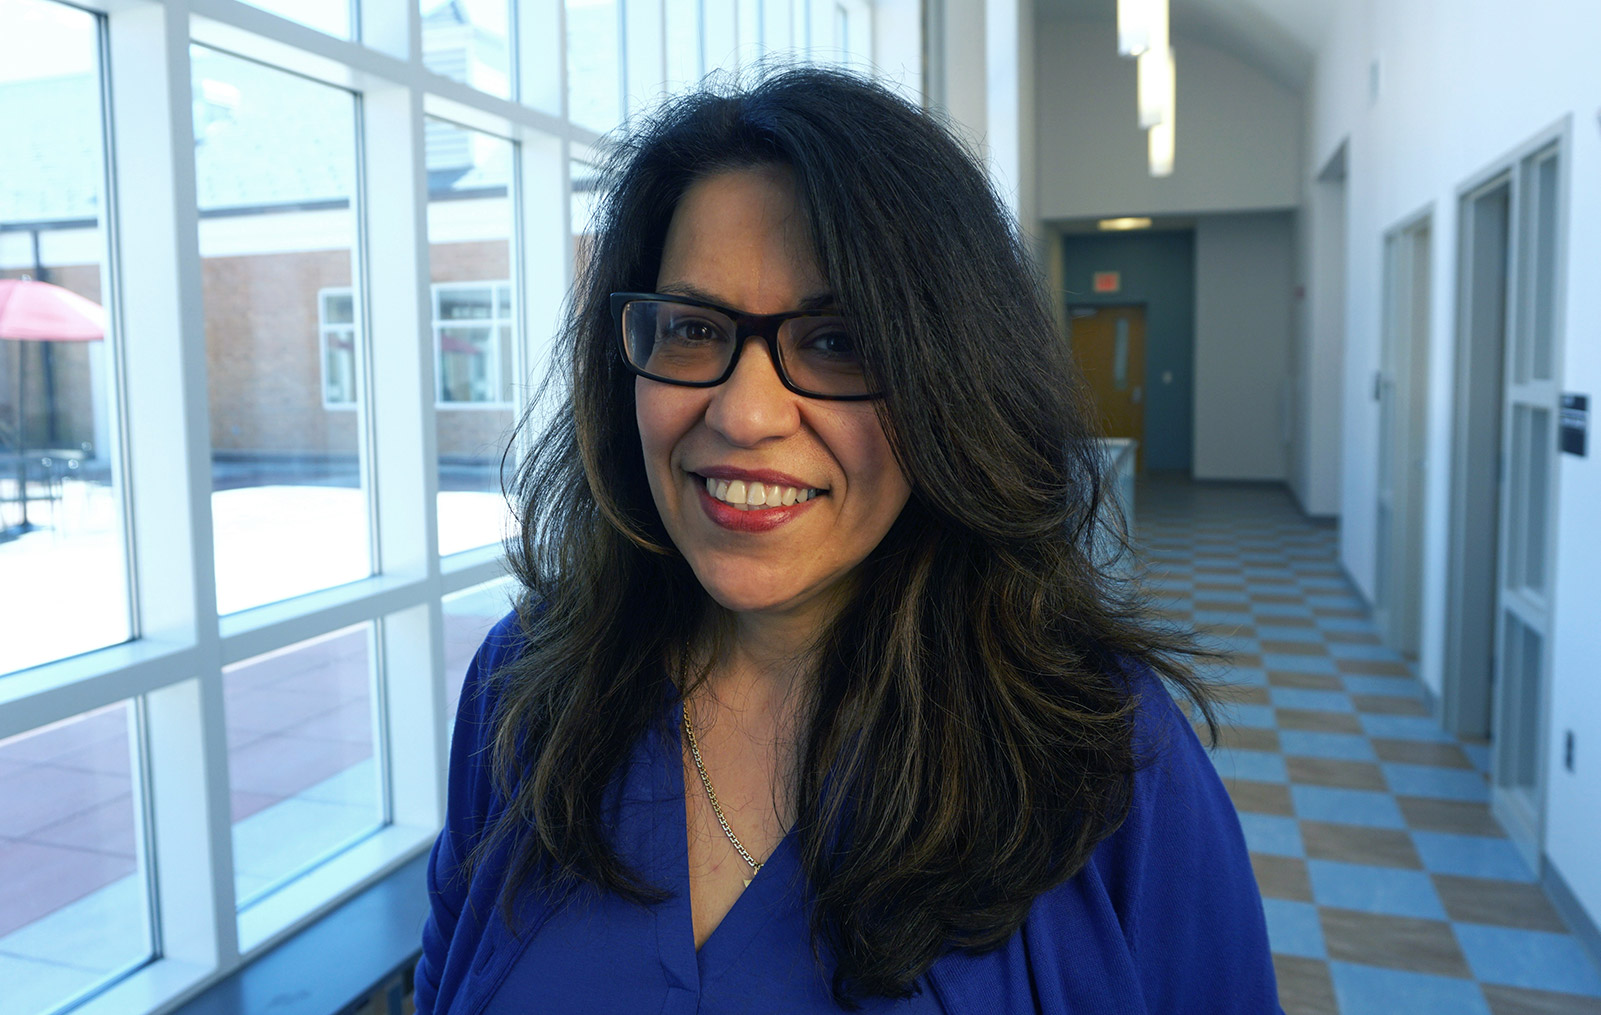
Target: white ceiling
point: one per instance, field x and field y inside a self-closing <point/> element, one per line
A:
<point x="1278" y="37"/>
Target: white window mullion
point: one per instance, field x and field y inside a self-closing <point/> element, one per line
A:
<point x="541" y="261"/>
<point x="405" y="446"/>
<point x="168" y="440"/>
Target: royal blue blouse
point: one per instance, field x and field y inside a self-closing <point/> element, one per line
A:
<point x="1165" y="918"/>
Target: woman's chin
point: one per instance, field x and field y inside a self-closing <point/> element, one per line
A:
<point x="757" y="597"/>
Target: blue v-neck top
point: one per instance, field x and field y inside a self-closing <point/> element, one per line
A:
<point x="1165" y="917"/>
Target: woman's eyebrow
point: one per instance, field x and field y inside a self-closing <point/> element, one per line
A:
<point x="815" y="301"/>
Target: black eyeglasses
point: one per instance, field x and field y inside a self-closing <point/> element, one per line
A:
<point x="679" y="340"/>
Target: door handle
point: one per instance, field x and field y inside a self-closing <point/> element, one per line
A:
<point x="1137" y="395"/>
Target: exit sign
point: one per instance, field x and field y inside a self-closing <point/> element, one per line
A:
<point x="1107" y="281"/>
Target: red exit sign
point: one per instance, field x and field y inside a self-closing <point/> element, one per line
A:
<point x="1106" y="281"/>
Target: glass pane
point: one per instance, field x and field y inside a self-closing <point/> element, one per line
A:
<point x="469" y="614"/>
<point x="1536" y="505"/>
<point x="585" y="182"/>
<point x="594" y="64"/>
<point x="468" y="41"/>
<point x="685" y="64"/>
<point x="331" y="16"/>
<point x="61" y="545"/>
<point x="303" y="777"/>
<point x="776" y="26"/>
<point x="275" y="159"/>
<point x="719" y="40"/>
<point x="1544" y="267"/>
<point x="469" y="254"/>
<point x="73" y="913"/>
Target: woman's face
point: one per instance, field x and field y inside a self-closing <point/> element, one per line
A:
<point x="739" y="239"/>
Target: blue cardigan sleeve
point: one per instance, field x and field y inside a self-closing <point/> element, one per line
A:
<point x="1179" y="875"/>
<point x="470" y="803"/>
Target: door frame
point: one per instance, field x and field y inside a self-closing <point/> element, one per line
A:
<point x="1468" y="692"/>
<point x="1405" y="354"/>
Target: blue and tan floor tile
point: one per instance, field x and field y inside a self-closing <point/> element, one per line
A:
<point x="1387" y="884"/>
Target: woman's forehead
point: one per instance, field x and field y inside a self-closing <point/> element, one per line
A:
<point x="742" y="237"/>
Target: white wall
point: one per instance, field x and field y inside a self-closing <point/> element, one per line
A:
<point x="1462" y="85"/>
<point x="1243" y="321"/>
<point x="1239" y="133"/>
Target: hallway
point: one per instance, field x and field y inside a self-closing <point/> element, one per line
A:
<point x="1388" y="886"/>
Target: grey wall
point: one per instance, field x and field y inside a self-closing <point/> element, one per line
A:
<point x="1244" y="277"/>
<point x="1159" y="272"/>
<point x="1238" y="131"/>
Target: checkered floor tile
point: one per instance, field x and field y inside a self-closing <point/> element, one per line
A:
<point x="1389" y="888"/>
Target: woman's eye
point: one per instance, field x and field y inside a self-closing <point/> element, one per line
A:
<point x="834" y="343"/>
<point x="692" y="332"/>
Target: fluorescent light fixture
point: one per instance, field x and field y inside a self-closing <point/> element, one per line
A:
<point x="1133" y="27"/>
<point x="1156" y="86"/>
<point x="1122" y="224"/>
<point x="1161" y="145"/>
<point x="1141" y="25"/>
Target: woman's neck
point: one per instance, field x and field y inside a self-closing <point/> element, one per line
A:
<point x="765" y="662"/>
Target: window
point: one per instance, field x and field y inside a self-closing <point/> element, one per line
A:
<point x="594" y="64"/>
<point x="62" y="548"/>
<point x="74" y="912"/>
<point x="336" y="326"/>
<point x="277" y="183"/>
<point x="323" y="15"/>
<point x="467" y="40"/>
<point x="472" y="332"/>
<point x="472" y="327"/>
<point x="303" y="775"/>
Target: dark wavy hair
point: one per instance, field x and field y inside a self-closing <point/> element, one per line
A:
<point x="970" y="734"/>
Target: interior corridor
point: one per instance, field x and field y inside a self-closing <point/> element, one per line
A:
<point x="1388" y="885"/>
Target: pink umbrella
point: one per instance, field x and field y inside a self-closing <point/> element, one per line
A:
<point x="41" y="312"/>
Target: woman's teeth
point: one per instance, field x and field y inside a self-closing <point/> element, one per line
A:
<point x="745" y="496"/>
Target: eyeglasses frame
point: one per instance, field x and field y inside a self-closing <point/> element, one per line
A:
<point x="746" y="327"/>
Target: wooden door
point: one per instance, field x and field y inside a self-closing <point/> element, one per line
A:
<point x="1109" y="346"/>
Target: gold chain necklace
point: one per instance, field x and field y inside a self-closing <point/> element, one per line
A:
<point x="711" y="794"/>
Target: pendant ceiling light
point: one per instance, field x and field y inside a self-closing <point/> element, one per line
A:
<point x="1144" y="33"/>
<point x="1155" y="86"/>
<point x="1160" y="147"/>
<point x="1141" y="25"/>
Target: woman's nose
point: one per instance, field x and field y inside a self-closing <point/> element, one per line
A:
<point x="753" y="405"/>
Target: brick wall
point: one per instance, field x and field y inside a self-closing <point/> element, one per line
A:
<point x="263" y="359"/>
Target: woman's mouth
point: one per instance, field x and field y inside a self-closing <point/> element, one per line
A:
<point x="751" y="495"/>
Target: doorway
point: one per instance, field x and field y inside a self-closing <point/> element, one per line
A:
<point x="1503" y="496"/>
<point x="1108" y="343"/>
<point x="1402" y="389"/>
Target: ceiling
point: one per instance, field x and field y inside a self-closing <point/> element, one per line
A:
<point x="1277" y="37"/>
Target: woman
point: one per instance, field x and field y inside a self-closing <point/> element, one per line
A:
<point x="817" y="696"/>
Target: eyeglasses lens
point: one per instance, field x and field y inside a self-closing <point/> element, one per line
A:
<point x="693" y="345"/>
